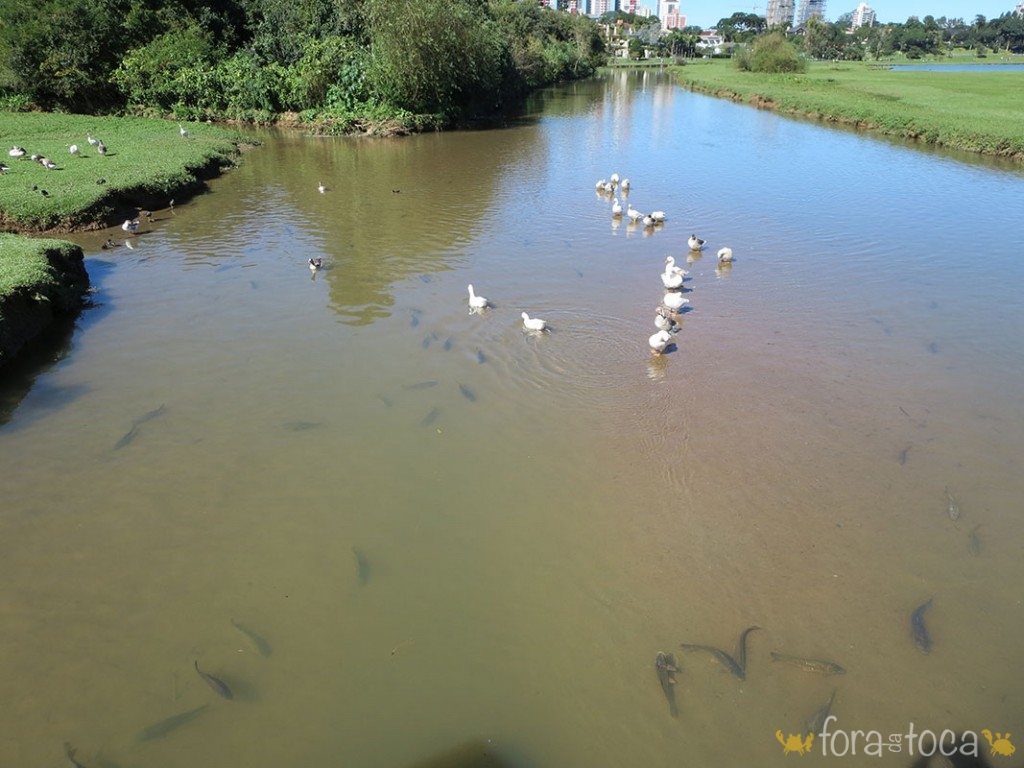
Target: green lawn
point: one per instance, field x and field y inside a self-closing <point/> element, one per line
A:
<point x="979" y="111"/>
<point x="147" y="163"/>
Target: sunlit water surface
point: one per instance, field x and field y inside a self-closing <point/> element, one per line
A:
<point x="451" y="531"/>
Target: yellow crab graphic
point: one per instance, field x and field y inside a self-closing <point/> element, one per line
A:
<point x="793" y="743"/>
<point x="1002" y="745"/>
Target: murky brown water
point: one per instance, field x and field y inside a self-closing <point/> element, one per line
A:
<point x="450" y="531"/>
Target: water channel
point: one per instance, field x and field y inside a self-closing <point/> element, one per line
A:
<point x="452" y="533"/>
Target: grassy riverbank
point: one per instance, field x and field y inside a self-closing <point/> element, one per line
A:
<point x="979" y="111"/>
<point x="39" y="281"/>
<point x="147" y="163"/>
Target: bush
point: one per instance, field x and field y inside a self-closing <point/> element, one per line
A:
<point x="771" y="53"/>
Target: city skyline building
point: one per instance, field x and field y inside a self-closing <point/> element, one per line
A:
<point x="780" y="12"/>
<point x="810" y="9"/>
<point x="864" y="16"/>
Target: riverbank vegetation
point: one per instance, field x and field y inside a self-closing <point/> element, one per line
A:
<point x="357" y="65"/>
<point x="145" y="164"/>
<point x="39" y="281"/>
<point x="971" y="111"/>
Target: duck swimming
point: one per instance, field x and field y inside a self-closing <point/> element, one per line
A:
<point x="315" y="264"/>
<point x="725" y="254"/>
<point x="476" y="302"/>
<point x="659" y="341"/>
<point x="695" y="243"/>
<point x="533" y="323"/>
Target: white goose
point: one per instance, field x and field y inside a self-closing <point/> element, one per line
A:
<point x="633" y="213"/>
<point x="624" y="185"/>
<point x="658" y="216"/>
<point x="73" y="149"/>
<point x="16" y="152"/>
<point x="130" y="226"/>
<point x="675" y="301"/>
<point x="725" y="254"/>
<point x="695" y="243"/>
<point x="659" y="342"/>
<point x="533" y="323"/>
<point x="599" y="186"/>
<point x="93" y="141"/>
<point x="614" y="178"/>
<point x="617" y="208"/>
<point x="321" y="188"/>
<point x="476" y="302"/>
<point x="183" y="131"/>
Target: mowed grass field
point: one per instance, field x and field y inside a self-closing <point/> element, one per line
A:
<point x="977" y="111"/>
<point x="146" y="164"/>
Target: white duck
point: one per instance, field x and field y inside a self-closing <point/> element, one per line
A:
<point x="16" y="152"/>
<point x="617" y="208"/>
<point x="183" y="131"/>
<point x="130" y="226"/>
<point x="321" y="188"/>
<point x="725" y="254"/>
<point x="633" y="213"/>
<point x="659" y="341"/>
<point x="614" y="178"/>
<point x="670" y="267"/>
<point x="624" y="185"/>
<point x="663" y="320"/>
<point x="315" y="265"/>
<point x="476" y="302"/>
<point x="93" y="141"/>
<point x="695" y="243"/>
<point x="658" y="216"/>
<point x="73" y="149"/>
<point x="671" y="280"/>
<point x="599" y="186"/>
<point x="675" y="301"/>
<point x="533" y="323"/>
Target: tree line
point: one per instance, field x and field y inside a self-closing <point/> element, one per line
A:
<point x="417" y="61"/>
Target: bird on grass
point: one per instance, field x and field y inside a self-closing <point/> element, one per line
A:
<point x="73" y="149"/>
<point x="17" y="152"/>
<point x="4" y="168"/>
<point x="93" y="141"/>
<point x="101" y="148"/>
<point x="183" y="131"/>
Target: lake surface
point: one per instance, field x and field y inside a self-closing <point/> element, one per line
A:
<point x="453" y="533"/>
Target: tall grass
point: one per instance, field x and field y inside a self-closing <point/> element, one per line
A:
<point x="980" y="111"/>
<point x="147" y="163"/>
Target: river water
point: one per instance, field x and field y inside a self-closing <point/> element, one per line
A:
<point x="454" y="534"/>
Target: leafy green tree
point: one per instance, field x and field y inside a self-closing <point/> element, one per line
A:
<point x="771" y="53"/>
<point x="741" y="27"/>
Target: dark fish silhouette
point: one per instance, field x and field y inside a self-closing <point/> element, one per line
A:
<point x="973" y="542"/>
<point x="362" y="566"/>
<point x="132" y="433"/>
<point x="258" y="642"/>
<point x="480" y="356"/>
<point x="69" y="751"/>
<point x="302" y="426"/>
<point x="665" y="666"/>
<point x="172" y="723"/>
<point x="903" y="455"/>
<point x="816" y="722"/>
<point x="420" y="385"/>
<point x="217" y="684"/>
<point x="467" y="393"/>
<point x="447" y="344"/>
<point x="431" y="417"/>
<point x="917" y="628"/>
<point x="810" y="665"/>
<point x="738" y="665"/>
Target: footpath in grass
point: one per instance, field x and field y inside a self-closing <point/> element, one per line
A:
<point x="977" y="111"/>
<point x="146" y="164"/>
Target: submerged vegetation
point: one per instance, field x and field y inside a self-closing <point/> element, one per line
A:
<point x="972" y="111"/>
<point x="405" y="64"/>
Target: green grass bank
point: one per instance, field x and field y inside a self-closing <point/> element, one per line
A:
<point x="147" y="163"/>
<point x="40" y="280"/>
<point x="978" y="111"/>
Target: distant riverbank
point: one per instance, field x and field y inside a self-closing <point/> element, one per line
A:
<point x="975" y="111"/>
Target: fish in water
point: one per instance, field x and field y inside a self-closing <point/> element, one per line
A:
<point x="414" y="321"/>
<point x="258" y="642"/>
<point x="481" y="357"/>
<point x="302" y="426"/>
<point x="447" y="344"/>
<point x="973" y="542"/>
<point x="917" y="628"/>
<point x="362" y="566"/>
<point x="810" y="665"/>
<point x="217" y="684"/>
<point x="816" y="722"/>
<point x="426" y="342"/>
<point x="467" y="393"/>
<point x="431" y="417"/>
<point x="665" y="665"/>
<point x="132" y="433"/>
<point x="903" y="455"/>
<point x="952" y="507"/>
<point x="69" y="751"/>
<point x="736" y="665"/>
<point x="172" y="723"/>
<point x="420" y="385"/>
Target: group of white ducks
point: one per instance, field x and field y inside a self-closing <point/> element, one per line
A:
<point x="667" y="313"/>
<point x="665" y="318"/>
<point x="480" y="303"/>
<point x="17" y="153"/>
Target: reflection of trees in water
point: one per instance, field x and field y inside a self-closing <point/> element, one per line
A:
<point x="19" y="376"/>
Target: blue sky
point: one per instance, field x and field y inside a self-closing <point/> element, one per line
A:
<point x="706" y="13"/>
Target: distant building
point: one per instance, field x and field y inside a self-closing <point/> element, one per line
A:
<point x="865" y="17"/>
<point x="668" y="12"/>
<point x="600" y="7"/>
<point x="808" y="10"/>
<point x="710" y="41"/>
<point x="780" y="12"/>
<point x="630" y="6"/>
